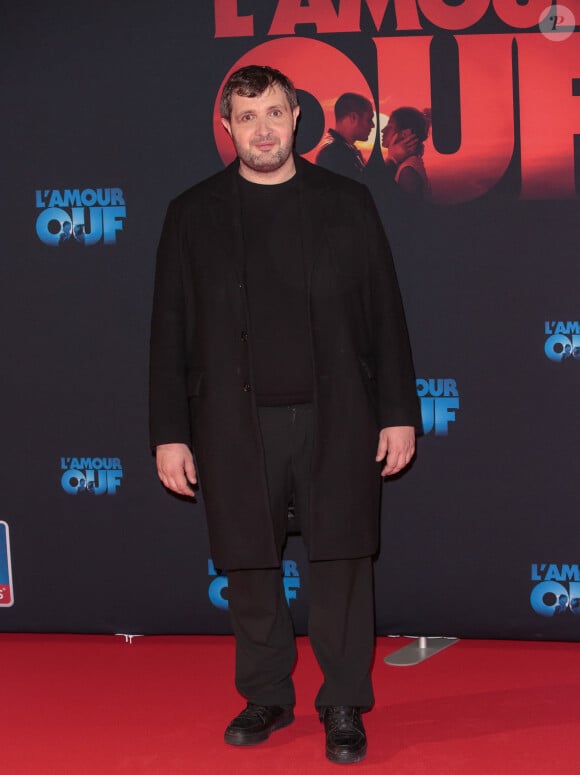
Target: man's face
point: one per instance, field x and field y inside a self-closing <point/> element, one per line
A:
<point x="262" y="130"/>
<point x="364" y="124"/>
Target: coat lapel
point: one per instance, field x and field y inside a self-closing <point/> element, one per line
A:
<point x="315" y="212"/>
<point x="225" y="210"/>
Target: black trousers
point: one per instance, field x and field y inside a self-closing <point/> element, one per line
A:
<point x="341" y="615"/>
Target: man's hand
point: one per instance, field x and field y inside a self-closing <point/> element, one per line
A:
<point x="397" y="444"/>
<point x="176" y="468"/>
<point x="401" y="147"/>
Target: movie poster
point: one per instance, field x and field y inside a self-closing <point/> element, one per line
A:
<point x="485" y="75"/>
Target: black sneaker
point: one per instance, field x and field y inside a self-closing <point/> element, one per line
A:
<point x="346" y="741"/>
<point x="255" y="723"/>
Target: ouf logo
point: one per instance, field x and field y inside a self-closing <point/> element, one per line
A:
<point x="563" y="340"/>
<point x="76" y="217"/>
<point x="557" y="588"/>
<point x="92" y="475"/>
<point x="218" y="586"/>
<point x="439" y="402"/>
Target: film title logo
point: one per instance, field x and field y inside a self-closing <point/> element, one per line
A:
<point x="92" y="475"/>
<point x="6" y="591"/>
<point x="557" y="589"/>
<point x="74" y="217"/>
<point x="218" y="586"/>
<point x="563" y="340"/>
<point x="344" y="16"/>
<point x="439" y="400"/>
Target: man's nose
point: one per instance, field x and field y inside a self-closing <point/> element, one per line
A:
<point x="262" y="125"/>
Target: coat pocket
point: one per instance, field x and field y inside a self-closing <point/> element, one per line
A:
<point x="367" y="368"/>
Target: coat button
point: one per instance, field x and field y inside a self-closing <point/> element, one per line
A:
<point x="244" y="336"/>
<point x="247" y="387"/>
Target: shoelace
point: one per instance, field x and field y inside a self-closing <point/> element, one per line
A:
<point x="341" y="719"/>
<point x="255" y="711"/>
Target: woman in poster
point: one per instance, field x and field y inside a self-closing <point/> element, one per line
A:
<point x="411" y="175"/>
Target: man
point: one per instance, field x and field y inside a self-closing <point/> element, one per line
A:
<point x="278" y="335"/>
<point x="354" y="116"/>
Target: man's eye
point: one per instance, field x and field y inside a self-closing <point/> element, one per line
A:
<point x="276" y="113"/>
<point x="247" y="117"/>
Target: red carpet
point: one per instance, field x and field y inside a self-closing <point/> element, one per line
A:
<point x="88" y="705"/>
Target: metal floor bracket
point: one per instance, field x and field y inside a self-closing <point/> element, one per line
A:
<point x="128" y="638"/>
<point x="419" y="651"/>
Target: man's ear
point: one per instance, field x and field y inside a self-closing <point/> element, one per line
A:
<point x="295" y="114"/>
<point x="227" y="126"/>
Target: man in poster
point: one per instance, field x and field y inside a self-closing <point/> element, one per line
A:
<point x="354" y="120"/>
<point x="280" y="356"/>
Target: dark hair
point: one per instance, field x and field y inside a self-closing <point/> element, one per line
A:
<point x="351" y="103"/>
<point x="252" y="81"/>
<point x="413" y="119"/>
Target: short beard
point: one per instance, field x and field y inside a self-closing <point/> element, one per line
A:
<point x="267" y="162"/>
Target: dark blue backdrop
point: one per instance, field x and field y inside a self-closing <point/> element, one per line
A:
<point x="98" y="97"/>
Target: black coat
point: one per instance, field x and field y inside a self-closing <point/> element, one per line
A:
<point x="201" y="372"/>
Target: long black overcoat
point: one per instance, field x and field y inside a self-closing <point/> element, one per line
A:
<point x="201" y="363"/>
